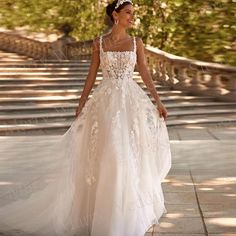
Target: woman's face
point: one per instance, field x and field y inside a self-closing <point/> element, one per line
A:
<point x="125" y="16"/>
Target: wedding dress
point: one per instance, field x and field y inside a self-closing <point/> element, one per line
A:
<point x="103" y="176"/>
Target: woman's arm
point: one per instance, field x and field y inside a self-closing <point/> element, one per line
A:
<point x="147" y="78"/>
<point x="143" y="70"/>
<point x="91" y="77"/>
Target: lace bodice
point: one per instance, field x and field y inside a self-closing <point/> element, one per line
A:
<point x="117" y="64"/>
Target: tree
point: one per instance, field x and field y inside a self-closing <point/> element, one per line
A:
<point x="203" y="30"/>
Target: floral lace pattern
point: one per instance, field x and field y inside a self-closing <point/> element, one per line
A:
<point x="118" y="64"/>
<point x="90" y="178"/>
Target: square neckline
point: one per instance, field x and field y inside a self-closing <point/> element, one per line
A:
<point x="126" y="51"/>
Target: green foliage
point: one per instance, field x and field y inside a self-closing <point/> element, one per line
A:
<point x="203" y="30"/>
<point x="47" y="15"/>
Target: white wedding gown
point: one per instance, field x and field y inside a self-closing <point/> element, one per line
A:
<point x="104" y="174"/>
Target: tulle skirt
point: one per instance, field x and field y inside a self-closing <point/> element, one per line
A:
<point x="101" y="178"/>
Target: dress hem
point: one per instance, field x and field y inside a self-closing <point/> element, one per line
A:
<point x="155" y="221"/>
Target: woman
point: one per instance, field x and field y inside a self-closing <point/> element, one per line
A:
<point x="106" y="170"/>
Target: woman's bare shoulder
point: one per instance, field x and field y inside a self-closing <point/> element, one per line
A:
<point x="139" y="40"/>
<point x="96" y="42"/>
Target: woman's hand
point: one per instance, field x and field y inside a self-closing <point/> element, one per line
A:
<point x="162" y="110"/>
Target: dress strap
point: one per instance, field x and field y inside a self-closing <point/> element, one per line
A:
<point x="134" y="44"/>
<point x="101" y="49"/>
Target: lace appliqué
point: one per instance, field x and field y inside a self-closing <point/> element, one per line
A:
<point x="93" y="140"/>
<point x="90" y="178"/>
<point x="135" y="145"/>
<point x="117" y="137"/>
<point x="118" y="65"/>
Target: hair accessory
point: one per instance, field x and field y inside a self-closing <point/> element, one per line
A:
<point x="120" y="2"/>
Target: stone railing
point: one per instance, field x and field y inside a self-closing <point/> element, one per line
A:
<point x="194" y="77"/>
<point x="44" y="50"/>
<point x="79" y="50"/>
<point x="24" y="46"/>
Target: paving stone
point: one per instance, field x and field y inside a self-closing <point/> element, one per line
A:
<point x="217" y="182"/>
<point x="178" y="183"/>
<point x="220" y="225"/>
<point x="179" y="225"/>
<point x="224" y="133"/>
<point x="197" y="134"/>
<point x="181" y="210"/>
<point x="178" y="171"/>
<point x="216" y="198"/>
<point x="223" y="234"/>
<point x="178" y="187"/>
<point x="204" y="155"/>
<point x="219" y="210"/>
<point x="180" y="198"/>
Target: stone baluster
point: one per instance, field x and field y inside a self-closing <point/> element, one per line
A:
<point x="170" y="73"/>
<point x="215" y="86"/>
<point x="230" y="96"/>
<point x="151" y="66"/>
<point x="196" y="87"/>
<point x="182" y="78"/>
<point x="162" y="73"/>
<point x="158" y="70"/>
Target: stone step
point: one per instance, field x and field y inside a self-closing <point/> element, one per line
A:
<point x="32" y="118"/>
<point x="62" y="83"/>
<point x="57" y="82"/>
<point x="43" y="70"/>
<point x="59" y="128"/>
<point x="196" y="105"/>
<point x="69" y="107"/>
<point x="50" y="74"/>
<point x="36" y="109"/>
<point x="200" y="112"/>
<point x="39" y="80"/>
<point x="62" y="115"/>
<point x="55" y="78"/>
<point x="74" y="98"/>
<point x="44" y="63"/>
<point x="230" y="119"/>
<point x="43" y="128"/>
<point x="43" y="75"/>
<point x="65" y="84"/>
<point x="44" y="85"/>
<point x="65" y="92"/>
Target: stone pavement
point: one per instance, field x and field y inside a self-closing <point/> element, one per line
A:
<point x="219" y="131"/>
<point x="200" y="189"/>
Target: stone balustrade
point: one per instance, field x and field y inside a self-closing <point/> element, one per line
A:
<point x="81" y="50"/>
<point x="24" y="46"/>
<point x="44" y="50"/>
<point x="193" y="76"/>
